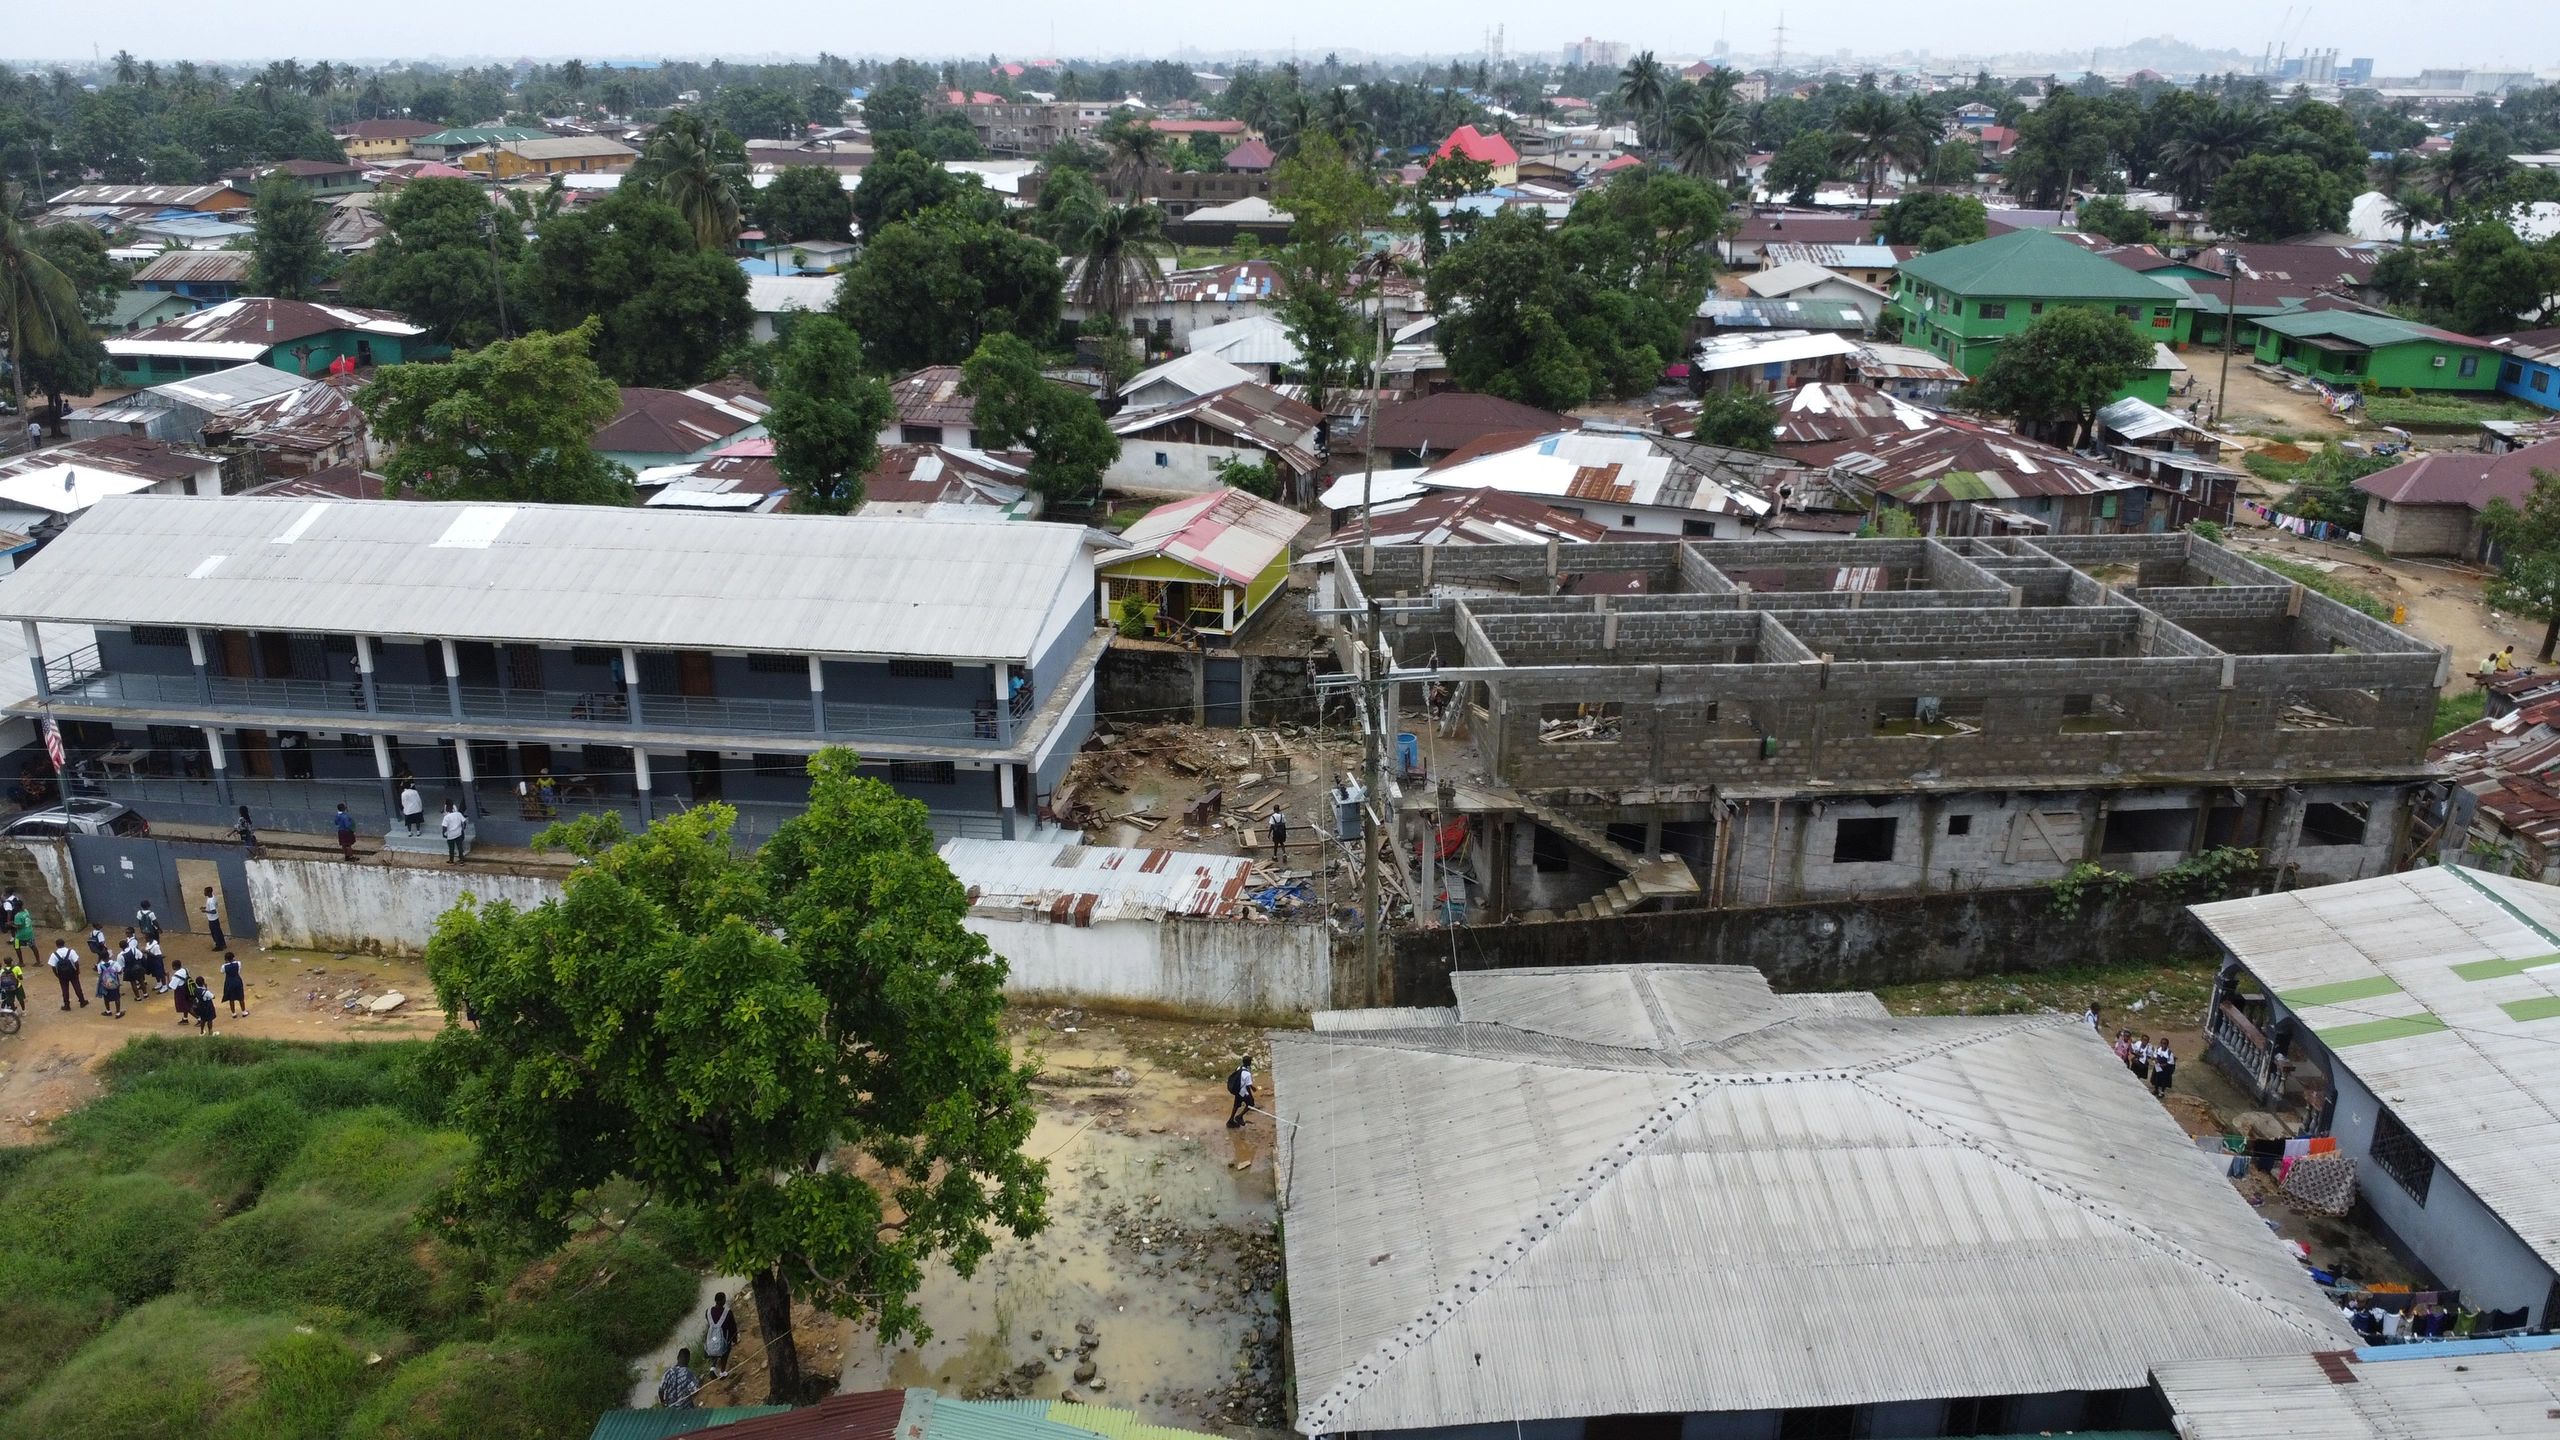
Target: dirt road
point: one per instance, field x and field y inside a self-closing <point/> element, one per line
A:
<point x="48" y="1068"/>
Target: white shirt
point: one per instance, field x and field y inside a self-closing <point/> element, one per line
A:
<point x="453" y="824"/>
<point x="212" y="908"/>
<point x="410" y="804"/>
<point x="62" y="956"/>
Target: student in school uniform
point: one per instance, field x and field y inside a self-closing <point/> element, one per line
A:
<point x="182" y="992"/>
<point x="213" y="916"/>
<point x="235" y="993"/>
<point x="110" y="987"/>
<point x="2164" y="1067"/>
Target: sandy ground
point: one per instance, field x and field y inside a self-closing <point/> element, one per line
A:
<point x="47" y="1068"/>
<point x="2445" y="604"/>
<point x="2260" y="405"/>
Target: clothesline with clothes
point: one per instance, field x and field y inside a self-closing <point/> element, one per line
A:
<point x="2306" y="528"/>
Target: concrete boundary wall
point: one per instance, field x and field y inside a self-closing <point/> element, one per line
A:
<point x="1224" y="969"/>
<point x="371" y="909"/>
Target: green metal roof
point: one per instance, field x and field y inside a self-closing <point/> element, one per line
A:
<point x="482" y="135"/>
<point x="2358" y="328"/>
<point x="659" y="1424"/>
<point x="132" y="305"/>
<point x="2035" y="263"/>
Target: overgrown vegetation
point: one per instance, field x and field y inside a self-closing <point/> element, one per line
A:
<point x="2462" y="707"/>
<point x="225" y="1245"/>
<point x="2445" y="412"/>
<point x="2312" y="578"/>
<point x="2173" y="991"/>
<point x="2205" y="875"/>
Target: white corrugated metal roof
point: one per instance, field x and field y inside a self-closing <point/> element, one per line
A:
<point x="1078" y="884"/>
<point x="773" y="294"/>
<point x="559" y="575"/>
<point x="2472" y="1064"/>
<point x="1764" y="1202"/>
<point x="1253" y="340"/>
<point x="2480" y="1390"/>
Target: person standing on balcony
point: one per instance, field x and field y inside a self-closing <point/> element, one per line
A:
<point x="346" y="828"/>
<point x="454" y="824"/>
<point x="213" y="915"/>
<point x="413" y="807"/>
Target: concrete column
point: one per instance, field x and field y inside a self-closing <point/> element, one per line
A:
<point x="631" y="685"/>
<point x="818" y="695"/>
<point x="1004" y="801"/>
<point x="452" y="678"/>
<point x="1227" y="607"/>
<point x="213" y="753"/>
<point x="470" y="778"/>
<point x="1004" y="702"/>
<point x="640" y="780"/>
<point x="382" y="764"/>
<point x="204" y="672"/>
<point x="364" y="674"/>
<point x="35" y="657"/>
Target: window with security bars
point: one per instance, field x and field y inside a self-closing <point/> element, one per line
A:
<point x="2402" y="1156"/>
<point x="923" y="772"/>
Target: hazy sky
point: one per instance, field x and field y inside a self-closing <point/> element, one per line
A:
<point x="2506" y="35"/>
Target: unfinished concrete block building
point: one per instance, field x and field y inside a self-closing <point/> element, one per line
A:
<point x="1755" y="722"/>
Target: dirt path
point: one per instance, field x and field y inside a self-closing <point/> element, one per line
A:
<point x="49" y="1067"/>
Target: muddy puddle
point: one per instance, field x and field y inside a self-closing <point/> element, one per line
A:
<point x="1151" y="1289"/>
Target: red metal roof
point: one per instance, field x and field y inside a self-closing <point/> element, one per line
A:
<point x="868" y="1415"/>
<point x="1467" y="140"/>
<point x="2464" y="478"/>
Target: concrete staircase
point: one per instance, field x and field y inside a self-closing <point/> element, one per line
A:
<point x="1645" y="879"/>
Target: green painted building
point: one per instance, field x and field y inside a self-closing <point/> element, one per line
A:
<point x="2349" y="347"/>
<point x="294" y="336"/>
<point x="1964" y="303"/>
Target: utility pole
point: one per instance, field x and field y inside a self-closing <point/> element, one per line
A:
<point x="2230" y="327"/>
<point x="1372" y="718"/>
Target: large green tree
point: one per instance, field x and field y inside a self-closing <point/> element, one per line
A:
<point x="512" y="421"/>
<point x="76" y="367"/>
<point x="1334" y="204"/>
<point x="2271" y="197"/>
<point x="800" y="1051"/>
<point x="1552" y="319"/>
<point x="1933" y="220"/>
<point x="804" y="202"/>
<point x="441" y="260"/>
<point x="902" y="184"/>
<point x="39" y="305"/>
<point x="2528" y="578"/>
<point x="928" y="289"/>
<point x="1802" y="166"/>
<point x="698" y="169"/>
<point x="667" y="308"/>
<point x="1737" y="419"/>
<point x="827" y="416"/>
<point x="1070" y="443"/>
<point x="288" y="258"/>
<point x="2062" y="368"/>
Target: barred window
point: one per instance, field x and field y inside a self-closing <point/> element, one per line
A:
<point x="169" y="636"/>
<point x="777" y="664"/>
<point x="924" y="772"/>
<point x="921" y="669"/>
<point x="2402" y="1157"/>
<point x="598" y="655"/>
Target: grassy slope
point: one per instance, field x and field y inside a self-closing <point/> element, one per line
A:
<point x="225" y="1245"/>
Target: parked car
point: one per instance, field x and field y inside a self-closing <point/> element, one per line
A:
<point x="82" y="816"/>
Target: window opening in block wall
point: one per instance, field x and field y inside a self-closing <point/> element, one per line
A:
<point x="2328" y="822"/>
<point x="1930" y="715"/>
<point x="1864" y="841"/>
<point x="1581" y="723"/>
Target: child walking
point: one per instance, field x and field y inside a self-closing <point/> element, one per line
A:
<point x="235" y="995"/>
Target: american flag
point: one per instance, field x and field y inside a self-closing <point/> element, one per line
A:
<point x="53" y="744"/>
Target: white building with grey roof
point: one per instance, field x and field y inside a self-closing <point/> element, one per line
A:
<point x="1665" y="1192"/>
<point x="295" y="653"/>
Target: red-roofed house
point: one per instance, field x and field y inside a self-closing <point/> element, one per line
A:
<point x="2432" y="505"/>
<point x="1620" y="165"/>
<point x="1494" y="151"/>
<point x="1204" y="564"/>
<point x="1995" y="141"/>
<point x="1251" y="158"/>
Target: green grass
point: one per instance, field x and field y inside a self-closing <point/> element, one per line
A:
<point x="2280" y="472"/>
<point x="226" y="1244"/>
<point x="2444" y="411"/>
<point x="2172" y="994"/>
<point x="2313" y="578"/>
<point x="2460" y="708"/>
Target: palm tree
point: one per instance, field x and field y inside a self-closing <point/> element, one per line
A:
<point x="2396" y="172"/>
<point x="1137" y="151"/>
<point x="573" y="76"/>
<point x="320" y="80"/>
<point x="1644" y="85"/>
<point x="1707" y="135"/>
<point x="126" y="71"/>
<point x="683" y="163"/>
<point x="2409" y="210"/>
<point x="2462" y="171"/>
<point x="1119" y="252"/>
<point x="38" y="303"/>
<point x="150" y="74"/>
<point x="1878" y="134"/>
<point x="2197" y="155"/>
<point x="532" y="207"/>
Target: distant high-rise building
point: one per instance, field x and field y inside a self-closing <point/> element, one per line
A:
<point x="2358" y="71"/>
<point x="1599" y="54"/>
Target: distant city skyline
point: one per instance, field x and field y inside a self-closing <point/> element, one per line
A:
<point x="2524" y="38"/>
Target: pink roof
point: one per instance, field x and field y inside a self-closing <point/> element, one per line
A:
<point x="761" y="446"/>
<point x="1226" y="533"/>
<point x="1467" y="140"/>
<point x="974" y="97"/>
<point x="2463" y="477"/>
<point x="1251" y="155"/>
<point x="1623" y="162"/>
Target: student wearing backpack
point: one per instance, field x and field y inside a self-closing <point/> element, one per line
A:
<point x="719" y="1336"/>
<point x="1240" y="1085"/>
<point x="66" y="971"/>
<point x="110" y="987"/>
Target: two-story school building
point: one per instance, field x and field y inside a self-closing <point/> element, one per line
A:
<point x="534" y="661"/>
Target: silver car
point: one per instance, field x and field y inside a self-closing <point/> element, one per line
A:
<point x="82" y="816"/>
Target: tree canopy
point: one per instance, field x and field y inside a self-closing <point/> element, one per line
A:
<point x="435" y="263"/>
<point x="1737" y="419"/>
<point x="928" y="289"/>
<point x="804" y="202"/>
<point x="2062" y="368"/>
<point x="2528" y="578"/>
<point x="2272" y="197"/>
<point x="511" y="421"/>
<point x="1333" y="205"/>
<point x="288" y="257"/>
<point x="801" y="1051"/>
<point x="903" y="184"/>
<point x="1070" y="443"/>
<point x="1551" y="319"/>
<point x="667" y="307"/>
<point x="1933" y="221"/>
<point x="826" y="417"/>
<point x="1802" y="166"/>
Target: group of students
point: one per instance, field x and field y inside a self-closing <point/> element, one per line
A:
<point x="678" y="1386"/>
<point x="2157" y="1064"/>
<point x="138" y="962"/>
